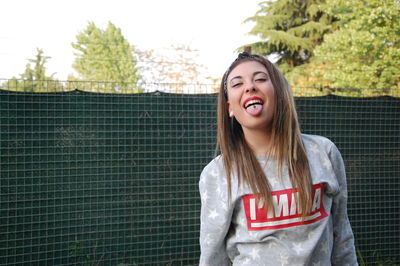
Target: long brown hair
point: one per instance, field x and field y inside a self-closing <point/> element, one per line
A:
<point x="286" y="140"/>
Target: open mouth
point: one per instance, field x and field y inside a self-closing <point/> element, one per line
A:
<point x="253" y="103"/>
<point x="254" y="106"/>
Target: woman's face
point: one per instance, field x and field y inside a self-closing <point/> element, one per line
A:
<point x="251" y="96"/>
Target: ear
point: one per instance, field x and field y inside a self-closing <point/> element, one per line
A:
<point x="231" y="114"/>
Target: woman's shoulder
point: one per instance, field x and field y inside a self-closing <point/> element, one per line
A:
<point x="316" y="143"/>
<point x="216" y="164"/>
<point x="309" y="139"/>
<point x="213" y="174"/>
<point x="315" y="138"/>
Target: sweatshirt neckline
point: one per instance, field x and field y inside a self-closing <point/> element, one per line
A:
<point x="265" y="157"/>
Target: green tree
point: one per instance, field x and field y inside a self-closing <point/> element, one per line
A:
<point x="104" y="58"/>
<point x="290" y="30"/>
<point x="34" y="79"/>
<point x="365" y="51"/>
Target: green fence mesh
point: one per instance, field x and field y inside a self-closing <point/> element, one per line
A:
<point x="102" y="179"/>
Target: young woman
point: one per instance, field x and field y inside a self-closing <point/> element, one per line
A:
<point x="274" y="196"/>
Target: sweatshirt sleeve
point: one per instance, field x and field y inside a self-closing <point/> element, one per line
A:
<point x="215" y="217"/>
<point x="343" y="247"/>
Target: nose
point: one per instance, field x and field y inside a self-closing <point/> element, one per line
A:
<point x="250" y="87"/>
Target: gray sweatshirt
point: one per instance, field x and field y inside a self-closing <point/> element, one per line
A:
<point x="241" y="232"/>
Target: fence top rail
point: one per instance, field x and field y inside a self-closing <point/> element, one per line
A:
<point x="112" y="87"/>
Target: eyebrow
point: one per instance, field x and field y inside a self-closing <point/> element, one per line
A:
<point x="254" y="74"/>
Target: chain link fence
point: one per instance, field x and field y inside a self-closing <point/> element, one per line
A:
<point x="112" y="179"/>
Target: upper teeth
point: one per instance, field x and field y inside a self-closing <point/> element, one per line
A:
<point x="252" y="102"/>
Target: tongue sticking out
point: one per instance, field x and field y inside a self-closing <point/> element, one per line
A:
<point x="254" y="109"/>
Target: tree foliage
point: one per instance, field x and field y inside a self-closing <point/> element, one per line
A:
<point x="365" y="51"/>
<point x="333" y="44"/>
<point x="34" y="78"/>
<point x="290" y="30"/>
<point x="104" y="56"/>
<point x="176" y="69"/>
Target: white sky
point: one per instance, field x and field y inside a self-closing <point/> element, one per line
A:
<point x="214" y="27"/>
